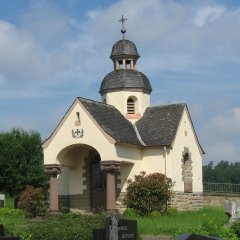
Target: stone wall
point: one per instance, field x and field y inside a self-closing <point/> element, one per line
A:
<point x="217" y="199"/>
<point x="186" y="201"/>
<point x="181" y="201"/>
<point x="75" y="201"/>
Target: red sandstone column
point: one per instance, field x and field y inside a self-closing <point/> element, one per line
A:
<point x="53" y="170"/>
<point x="111" y="167"/>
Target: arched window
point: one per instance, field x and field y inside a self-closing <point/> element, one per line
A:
<point x="130" y="106"/>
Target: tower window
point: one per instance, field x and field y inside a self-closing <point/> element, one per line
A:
<point x="130" y="106"/>
<point x="120" y="64"/>
<point x="128" y="64"/>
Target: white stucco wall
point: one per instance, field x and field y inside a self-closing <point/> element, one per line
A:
<point x="93" y="136"/>
<point x="131" y="161"/>
<point x="70" y="181"/>
<point x="119" y="100"/>
<point x="136" y="160"/>
<point x="186" y="138"/>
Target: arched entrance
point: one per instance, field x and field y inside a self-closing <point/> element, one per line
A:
<point x="82" y="183"/>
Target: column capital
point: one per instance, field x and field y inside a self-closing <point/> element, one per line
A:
<point x="110" y="166"/>
<point x="53" y="169"/>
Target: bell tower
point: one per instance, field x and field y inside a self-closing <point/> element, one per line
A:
<point x="126" y="88"/>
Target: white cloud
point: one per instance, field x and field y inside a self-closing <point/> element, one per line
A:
<point x="92" y="14"/>
<point x="208" y="14"/>
<point x="20" y="59"/>
<point x="228" y="123"/>
<point x="220" y="136"/>
<point x="47" y="24"/>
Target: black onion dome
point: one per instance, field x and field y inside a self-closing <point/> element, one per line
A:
<point x="125" y="79"/>
<point x="123" y="48"/>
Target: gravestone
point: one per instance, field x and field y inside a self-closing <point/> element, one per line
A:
<point x="116" y="229"/>
<point x="2" y="200"/>
<point x="186" y="236"/>
<point x="99" y="234"/>
<point x="232" y="209"/>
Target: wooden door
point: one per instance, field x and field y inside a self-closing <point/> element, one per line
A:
<point x="98" y="187"/>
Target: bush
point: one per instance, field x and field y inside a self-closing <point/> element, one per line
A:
<point x="66" y="226"/>
<point x="11" y="216"/>
<point x="19" y="231"/>
<point x="64" y="209"/>
<point x="33" y="202"/>
<point x="130" y="213"/>
<point x="11" y="213"/>
<point x="154" y="214"/>
<point x="172" y="212"/>
<point x="147" y="193"/>
<point x="236" y="228"/>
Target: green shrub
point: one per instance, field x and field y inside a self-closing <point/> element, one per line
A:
<point x="19" y="231"/>
<point x="172" y="212"/>
<point x="12" y="216"/>
<point x="130" y="213"/>
<point x="66" y="226"/>
<point x="12" y="219"/>
<point x="211" y="228"/>
<point x="147" y="193"/>
<point x="154" y="214"/>
<point x="11" y="213"/>
<point x="33" y="202"/>
<point x="236" y="228"/>
<point x="64" y="209"/>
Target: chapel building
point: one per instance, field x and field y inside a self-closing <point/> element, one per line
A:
<point x="97" y="146"/>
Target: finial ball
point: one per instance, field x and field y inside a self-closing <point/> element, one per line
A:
<point x="123" y="30"/>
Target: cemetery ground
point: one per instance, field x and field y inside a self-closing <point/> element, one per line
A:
<point x="70" y="226"/>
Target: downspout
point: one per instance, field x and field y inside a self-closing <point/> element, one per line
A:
<point x="165" y="159"/>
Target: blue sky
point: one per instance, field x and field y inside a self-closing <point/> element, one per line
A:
<point x="52" y="51"/>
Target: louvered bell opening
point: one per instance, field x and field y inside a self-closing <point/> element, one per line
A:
<point x="130" y="106"/>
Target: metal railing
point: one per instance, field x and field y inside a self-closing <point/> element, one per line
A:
<point x="221" y="187"/>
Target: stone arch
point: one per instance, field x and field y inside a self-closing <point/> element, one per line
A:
<point x="77" y="182"/>
<point x="187" y="175"/>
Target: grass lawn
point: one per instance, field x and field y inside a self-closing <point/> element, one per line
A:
<point x="75" y="225"/>
<point x="172" y="225"/>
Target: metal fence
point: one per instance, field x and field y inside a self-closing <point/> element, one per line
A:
<point x="221" y="187"/>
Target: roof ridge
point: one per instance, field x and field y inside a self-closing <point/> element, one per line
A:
<point x="169" y="105"/>
<point x="94" y="101"/>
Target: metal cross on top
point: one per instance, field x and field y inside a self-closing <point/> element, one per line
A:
<point x="122" y="20"/>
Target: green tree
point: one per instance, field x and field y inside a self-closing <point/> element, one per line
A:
<point x="21" y="161"/>
<point x="223" y="172"/>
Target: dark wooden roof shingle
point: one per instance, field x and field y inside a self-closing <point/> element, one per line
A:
<point x="111" y="121"/>
<point x="125" y="79"/>
<point x="159" y="124"/>
<point x="125" y="48"/>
